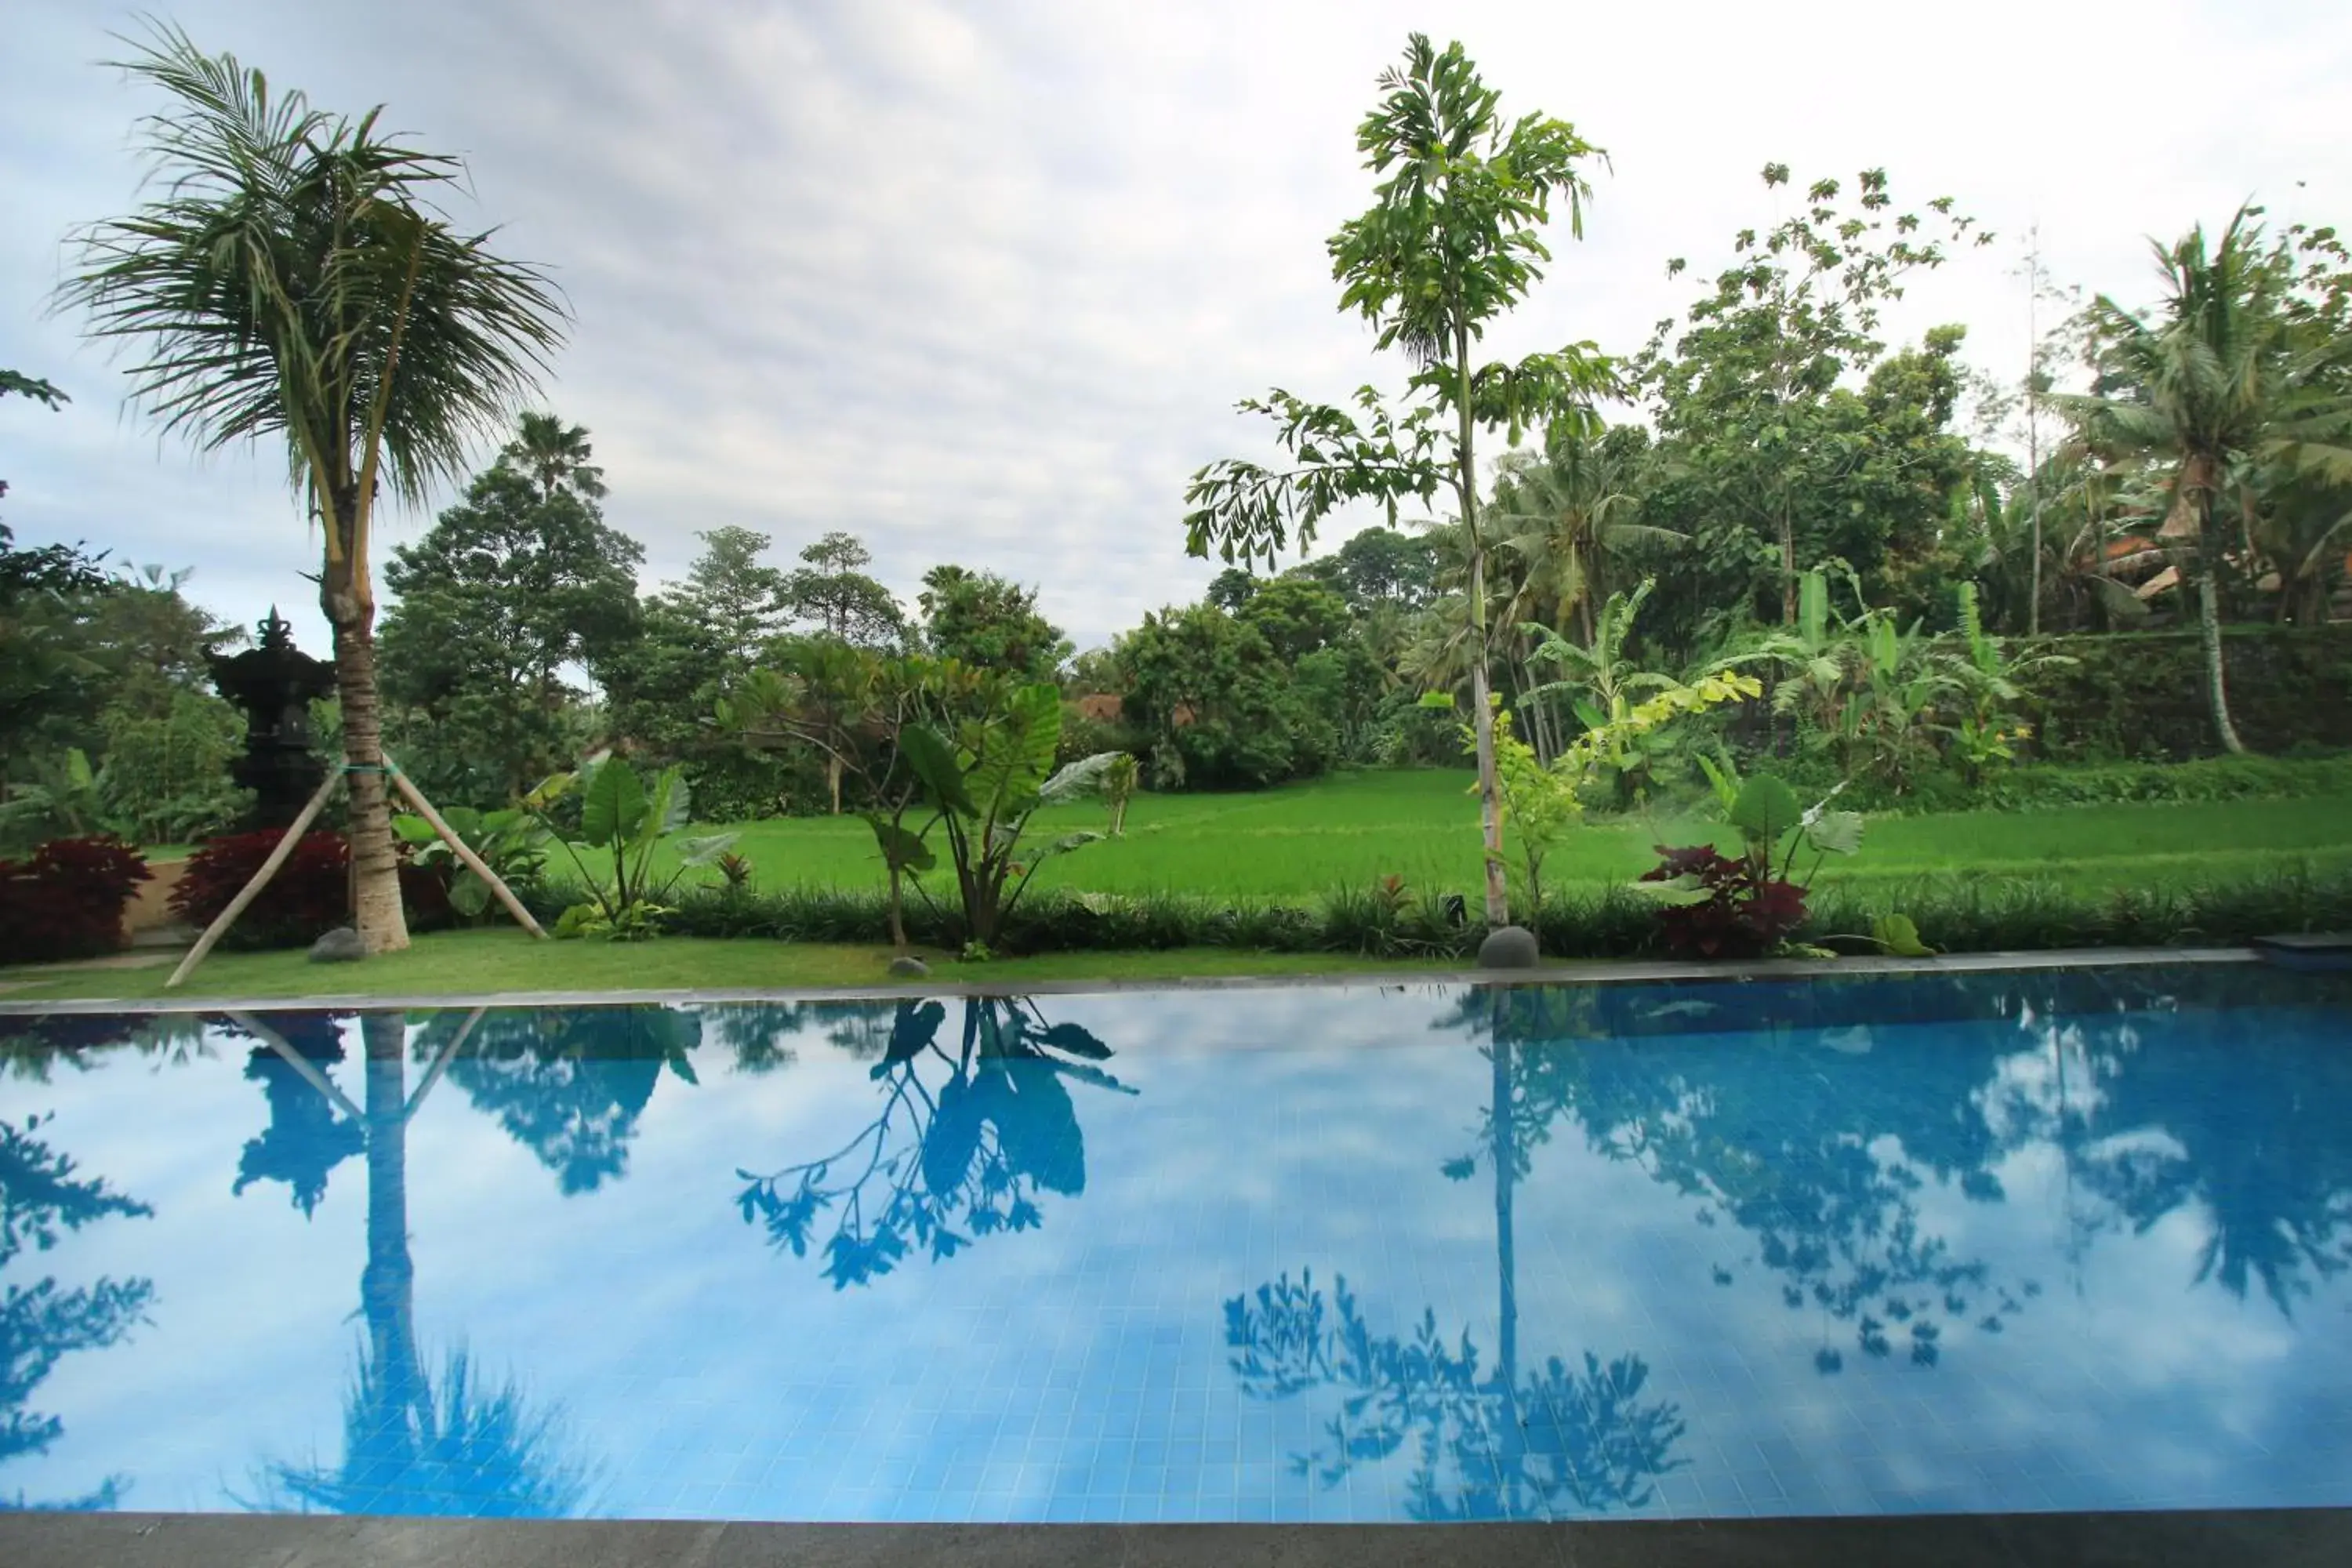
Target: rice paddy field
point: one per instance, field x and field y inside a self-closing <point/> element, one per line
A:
<point x="1302" y="841"/>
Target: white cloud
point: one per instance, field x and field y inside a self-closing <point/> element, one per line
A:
<point x="984" y="284"/>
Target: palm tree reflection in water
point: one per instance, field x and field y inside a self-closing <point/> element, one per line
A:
<point x="413" y="1443"/>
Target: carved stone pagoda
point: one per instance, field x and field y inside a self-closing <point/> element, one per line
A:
<point x="275" y="684"/>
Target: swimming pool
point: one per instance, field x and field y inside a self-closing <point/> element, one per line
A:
<point x="2069" y="1239"/>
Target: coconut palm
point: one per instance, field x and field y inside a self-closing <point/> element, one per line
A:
<point x="2215" y="386"/>
<point x="1564" y="516"/>
<point x="556" y="455"/>
<point x="290" y="282"/>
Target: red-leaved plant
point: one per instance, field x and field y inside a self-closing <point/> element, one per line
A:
<point x="67" y="901"/>
<point x="309" y="897"/>
<point x="1747" y="913"/>
<point x="1745" y="907"/>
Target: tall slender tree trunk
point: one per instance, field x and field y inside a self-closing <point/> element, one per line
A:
<point x="1481" y="716"/>
<point x="388" y="1280"/>
<point x="2208" y="623"/>
<point x="897" y="907"/>
<point x="1788" y="566"/>
<point x="1511" y="1439"/>
<point x="375" y="867"/>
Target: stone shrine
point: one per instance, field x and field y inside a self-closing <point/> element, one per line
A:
<point x="275" y="684"/>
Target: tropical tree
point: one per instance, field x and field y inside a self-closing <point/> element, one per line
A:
<point x="509" y="589"/>
<point x="292" y="280"/>
<point x="2213" y="386"/>
<point x="832" y="589"/>
<point x="1450" y="243"/>
<point x="1575" y="510"/>
<point x="556" y="455"/>
<point x="990" y="623"/>
<point x="1746" y="386"/>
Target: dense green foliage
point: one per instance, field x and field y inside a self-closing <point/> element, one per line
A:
<point x="1933" y="614"/>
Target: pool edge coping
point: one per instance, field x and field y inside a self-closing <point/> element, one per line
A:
<point x="2121" y="1540"/>
<point x="1595" y="971"/>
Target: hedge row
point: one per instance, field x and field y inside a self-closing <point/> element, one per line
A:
<point x="1956" y="914"/>
<point x="2140" y="696"/>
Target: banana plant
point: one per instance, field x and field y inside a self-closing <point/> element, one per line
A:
<point x="623" y="820"/>
<point x="984" y="783"/>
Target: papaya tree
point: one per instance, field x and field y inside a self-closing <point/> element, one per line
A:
<point x="1450" y="243"/>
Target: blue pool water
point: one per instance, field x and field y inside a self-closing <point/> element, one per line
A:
<point x="2043" y="1241"/>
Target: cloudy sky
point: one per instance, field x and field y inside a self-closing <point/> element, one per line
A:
<point x="983" y="283"/>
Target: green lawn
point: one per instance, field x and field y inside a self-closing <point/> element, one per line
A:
<point x="478" y="963"/>
<point x="1301" y="841"/>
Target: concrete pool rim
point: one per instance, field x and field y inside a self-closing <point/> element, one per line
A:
<point x="1569" y="974"/>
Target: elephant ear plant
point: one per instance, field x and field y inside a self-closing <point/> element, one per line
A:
<point x="622" y="821"/>
<point x="1747" y="906"/>
<point x="984" y="783"/>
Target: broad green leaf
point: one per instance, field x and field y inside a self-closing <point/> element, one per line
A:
<point x="933" y="761"/>
<point x="908" y="851"/>
<point x="551" y="789"/>
<point x="678" y="801"/>
<point x="1899" y="936"/>
<point x="1766" y="809"/>
<point x="470" y="896"/>
<point x="1722" y="780"/>
<point x="1063" y="845"/>
<point x="1436" y="700"/>
<point x="415" y="830"/>
<point x="1836" y="832"/>
<point x="1678" y="890"/>
<point x="1079" y="778"/>
<point x="666" y="808"/>
<point x="704" y="849"/>
<point x="613" y="804"/>
<point x="77" y="769"/>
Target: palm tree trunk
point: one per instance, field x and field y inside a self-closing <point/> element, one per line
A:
<point x="2208" y="623"/>
<point x="388" y="1281"/>
<point x="375" y="868"/>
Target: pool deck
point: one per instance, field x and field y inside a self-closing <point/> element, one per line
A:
<point x="1578" y="971"/>
<point x="2288" y="1538"/>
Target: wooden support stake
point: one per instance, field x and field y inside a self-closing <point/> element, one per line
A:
<point x="472" y="861"/>
<point x="441" y="1063"/>
<point x="301" y="1063"/>
<point x="252" y="890"/>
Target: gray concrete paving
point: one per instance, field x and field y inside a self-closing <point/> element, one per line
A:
<point x="1574" y="973"/>
<point x="2319" y="1538"/>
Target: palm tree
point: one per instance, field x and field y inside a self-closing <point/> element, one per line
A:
<point x="413" y="1443"/>
<point x="556" y="455"/>
<point x="1565" y="515"/>
<point x="2215" y="387"/>
<point x="288" y="282"/>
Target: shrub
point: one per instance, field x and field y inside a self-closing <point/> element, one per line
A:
<point x="67" y="901"/>
<point x="1746" y="911"/>
<point x="309" y="896"/>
